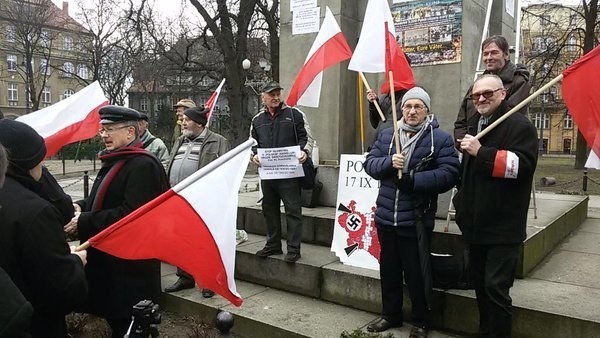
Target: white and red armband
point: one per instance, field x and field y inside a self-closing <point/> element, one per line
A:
<point x="506" y="164"/>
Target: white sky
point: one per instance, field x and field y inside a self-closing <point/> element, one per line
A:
<point x="167" y="8"/>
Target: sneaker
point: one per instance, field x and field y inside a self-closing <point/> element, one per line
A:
<point x="292" y="257"/>
<point x="265" y="252"/>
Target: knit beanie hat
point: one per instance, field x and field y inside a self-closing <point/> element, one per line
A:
<point x="197" y="115"/>
<point x="25" y="147"/>
<point x="417" y="93"/>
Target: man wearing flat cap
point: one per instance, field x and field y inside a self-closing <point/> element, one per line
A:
<point x="151" y="143"/>
<point x="129" y="177"/>
<point x="195" y="148"/>
<point x="180" y="107"/>
<point x="279" y="125"/>
<point x="33" y="248"/>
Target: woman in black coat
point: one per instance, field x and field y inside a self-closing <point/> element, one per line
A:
<point x="33" y="248"/>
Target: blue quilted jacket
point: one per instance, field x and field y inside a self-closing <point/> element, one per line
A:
<point x="395" y="208"/>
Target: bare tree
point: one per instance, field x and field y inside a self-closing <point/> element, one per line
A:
<point x="558" y="35"/>
<point x="30" y="35"/>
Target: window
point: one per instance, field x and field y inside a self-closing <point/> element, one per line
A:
<point x="67" y="69"/>
<point x="11" y="62"/>
<point x="544" y="20"/>
<point x="538" y="44"/>
<point x="67" y="43"/>
<point x="82" y="72"/>
<point x="46" y="96"/>
<point x="67" y="93"/>
<point x="143" y="104"/>
<point x="568" y="121"/>
<point x="571" y="43"/>
<point x="13" y="94"/>
<point x="45" y="38"/>
<point x="44" y="70"/>
<point x="541" y="122"/>
<point x="10" y="34"/>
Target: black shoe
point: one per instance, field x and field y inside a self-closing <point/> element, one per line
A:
<point x="207" y="293"/>
<point x="180" y="284"/>
<point x="265" y="252"/>
<point x="418" y="332"/>
<point x="292" y="257"/>
<point x="381" y="324"/>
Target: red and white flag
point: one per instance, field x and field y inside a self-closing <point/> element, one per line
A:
<point x="212" y="101"/>
<point x="73" y="119"/>
<point x="187" y="226"/>
<point x="377" y="50"/>
<point x="330" y="48"/>
<point x="581" y="92"/>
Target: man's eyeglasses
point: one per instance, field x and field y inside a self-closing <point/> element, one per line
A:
<point x="110" y="131"/>
<point x="487" y="94"/>
<point x="416" y="107"/>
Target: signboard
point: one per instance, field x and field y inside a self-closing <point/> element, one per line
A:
<point x="278" y="163"/>
<point x="355" y="239"/>
<point x="429" y="31"/>
<point x="305" y="20"/>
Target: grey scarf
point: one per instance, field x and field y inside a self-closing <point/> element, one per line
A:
<point x="408" y="143"/>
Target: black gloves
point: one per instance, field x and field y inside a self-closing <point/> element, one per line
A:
<point x="406" y="183"/>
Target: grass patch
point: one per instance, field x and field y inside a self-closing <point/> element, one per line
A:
<point x="568" y="179"/>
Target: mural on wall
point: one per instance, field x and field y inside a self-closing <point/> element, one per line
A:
<point x="429" y="31"/>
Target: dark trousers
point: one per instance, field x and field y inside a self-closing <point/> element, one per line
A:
<point x="288" y="191"/>
<point x="184" y="275"/>
<point x="398" y="261"/>
<point x="492" y="270"/>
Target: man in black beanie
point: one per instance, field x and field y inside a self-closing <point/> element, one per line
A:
<point x="33" y="248"/>
<point x="195" y="148"/>
<point x="129" y="177"/>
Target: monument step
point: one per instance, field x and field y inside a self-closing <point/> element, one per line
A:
<point x="555" y="218"/>
<point x="268" y="312"/>
<point x="319" y="274"/>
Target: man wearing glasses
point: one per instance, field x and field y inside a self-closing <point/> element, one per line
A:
<point x="129" y="177"/>
<point x="515" y="79"/>
<point x="493" y="199"/>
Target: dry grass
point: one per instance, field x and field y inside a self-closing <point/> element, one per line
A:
<point x="568" y="179"/>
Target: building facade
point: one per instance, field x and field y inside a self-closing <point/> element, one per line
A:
<point x="41" y="59"/>
<point x="552" y="37"/>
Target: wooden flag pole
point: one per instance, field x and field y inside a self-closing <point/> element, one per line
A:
<point x="395" y="118"/>
<point x="83" y="246"/>
<point x="362" y="76"/>
<point x="519" y="106"/>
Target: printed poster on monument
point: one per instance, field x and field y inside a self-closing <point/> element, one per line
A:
<point x="355" y="235"/>
<point x="429" y="31"/>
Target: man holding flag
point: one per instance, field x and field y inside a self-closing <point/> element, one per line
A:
<point x="129" y="178"/>
<point x="194" y="149"/>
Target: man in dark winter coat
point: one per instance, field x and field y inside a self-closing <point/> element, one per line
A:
<point x="493" y="200"/>
<point x="515" y="79"/>
<point x="280" y="126"/>
<point x="130" y="177"/>
<point x="33" y="248"/>
<point x="429" y="166"/>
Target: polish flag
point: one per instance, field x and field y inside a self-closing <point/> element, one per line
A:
<point x="378" y="40"/>
<point x="73" y="119"/>
<point x="330" y="48"/>
<point x="187" y="226"/>
<point x="581" y="92"/>
<point x="212" y="101"/>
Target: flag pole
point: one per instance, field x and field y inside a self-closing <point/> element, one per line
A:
<point x="83" y="246"/>
<point x="364" y="79"/>
<point x="395" y="118"/>
<point x="361" y="113"/>
<point x="519" y="106"/>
